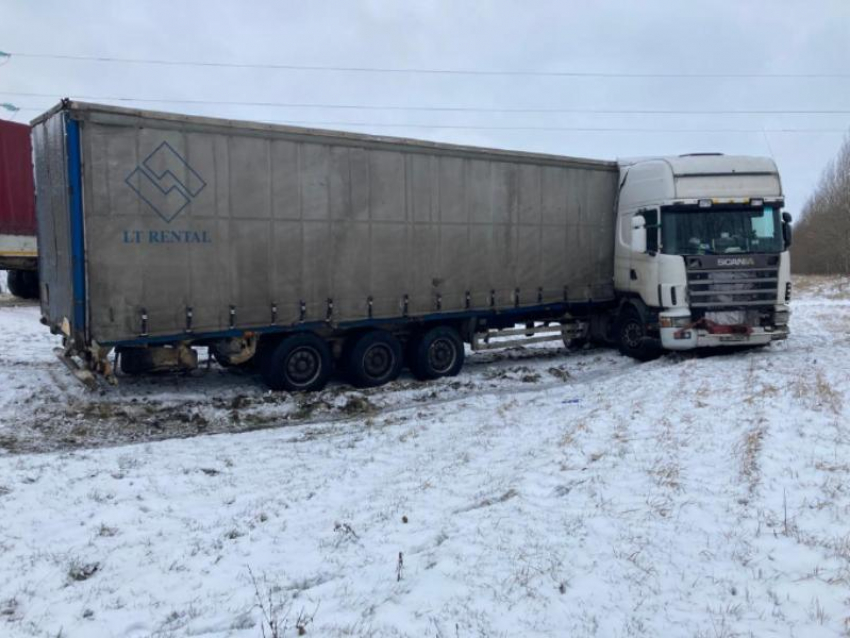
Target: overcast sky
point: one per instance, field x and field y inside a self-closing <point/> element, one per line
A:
<point x="806" y="37"/>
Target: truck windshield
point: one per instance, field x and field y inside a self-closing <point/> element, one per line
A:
<point x="718" y="231"/>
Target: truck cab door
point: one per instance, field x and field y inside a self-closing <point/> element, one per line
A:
<point x="643" y="266"/>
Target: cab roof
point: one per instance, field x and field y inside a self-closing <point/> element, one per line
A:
<point x="687" y="178"/>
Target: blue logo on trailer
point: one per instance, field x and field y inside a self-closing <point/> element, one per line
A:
<point x="156" y="181"/>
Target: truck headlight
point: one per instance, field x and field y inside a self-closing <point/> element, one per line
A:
<point x="780" y="317"/>
<point x="674" y="322"/>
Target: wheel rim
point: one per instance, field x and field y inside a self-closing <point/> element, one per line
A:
<point x="632" y="334"/>
<point x="442" y="355"/>
<point x="378" y="361"/>
<point x="303" y="366"/>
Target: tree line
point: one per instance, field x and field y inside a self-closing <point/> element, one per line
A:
<point x="822" y="234"/>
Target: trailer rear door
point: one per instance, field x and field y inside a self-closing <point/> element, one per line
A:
<point x="59" y="225"/>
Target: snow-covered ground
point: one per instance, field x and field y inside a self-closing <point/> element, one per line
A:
<point x="537" y="494"/>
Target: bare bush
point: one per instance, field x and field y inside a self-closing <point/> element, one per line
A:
<point x="275" y="611"/>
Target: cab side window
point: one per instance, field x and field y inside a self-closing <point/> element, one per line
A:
<point x="651" y="217"/>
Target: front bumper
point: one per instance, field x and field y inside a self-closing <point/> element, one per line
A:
<point x="698" y="338"/>
<point x="684" y="336"/>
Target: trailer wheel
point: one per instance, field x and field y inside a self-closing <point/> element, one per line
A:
<point x="632" y="338"/>
<point x="33" y="288"/>
<point x="437" y="353"/>
<point x="299" y="363"/>
<point x="13" y="281"/>
<point x="372" y="359"/>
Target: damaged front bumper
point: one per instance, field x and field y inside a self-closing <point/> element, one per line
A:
<point x="679" y="332"/>
<point x="698" y="338"/>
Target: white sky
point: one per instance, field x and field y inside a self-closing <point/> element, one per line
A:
<point x="617" y="36"/>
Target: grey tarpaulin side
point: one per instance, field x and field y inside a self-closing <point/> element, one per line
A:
<point x="203" y="225"/>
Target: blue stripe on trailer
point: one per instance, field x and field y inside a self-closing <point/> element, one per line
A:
<point x="78" y="257"/>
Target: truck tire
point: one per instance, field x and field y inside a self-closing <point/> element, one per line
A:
<point x="299" y="363"/>
<point x="13" y="282"/>
<point x="436" y="353"/>
<point x="23" y="283"/>
<point x="372" y="359"/>
<point x="632" y="338"/>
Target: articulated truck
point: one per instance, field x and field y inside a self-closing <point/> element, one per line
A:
<point x="308" y="252"/>
<point x="18" y="250"/>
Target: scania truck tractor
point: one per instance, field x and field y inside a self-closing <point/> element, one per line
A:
<point x="701" y="254"/>
<point x="308" y="252"/>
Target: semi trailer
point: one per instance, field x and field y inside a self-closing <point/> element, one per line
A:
<point x="18" y="249"/>
<point x="309" y="252"/>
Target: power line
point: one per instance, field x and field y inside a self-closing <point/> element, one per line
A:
<point x="457" y="109"/>
<point x="416" y="70"/>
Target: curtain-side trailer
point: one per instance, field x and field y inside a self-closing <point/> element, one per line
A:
<point x="308" y="250"/>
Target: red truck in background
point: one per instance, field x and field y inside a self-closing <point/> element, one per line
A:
<point x="18" y="246"/>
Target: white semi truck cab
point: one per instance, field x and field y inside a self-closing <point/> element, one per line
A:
<point x="701" y="254"/>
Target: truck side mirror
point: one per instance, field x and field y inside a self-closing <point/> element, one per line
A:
<point x="638" y="234"/>
<point x="787" y="235"/>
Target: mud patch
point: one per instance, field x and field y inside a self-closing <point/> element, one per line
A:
<point x="523" y="374"/>
<point x="358" y="405"/>
<point x="60" y="415"/>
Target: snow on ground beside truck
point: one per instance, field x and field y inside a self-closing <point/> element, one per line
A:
<point x="536" y="494"/>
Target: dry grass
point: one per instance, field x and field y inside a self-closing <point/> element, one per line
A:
<point x="761" y="392"/>
<point x="666" y="474"/>
<point x="752" y="446"/>
<point x="569" y="436"/>
<point x="817" y="392"/>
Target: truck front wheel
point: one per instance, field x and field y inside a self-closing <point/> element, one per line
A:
<point x="372" y="359"/>
<point x="436" y="353"/>
<point x="299" y="363"/>
<point x="633" y="339"/>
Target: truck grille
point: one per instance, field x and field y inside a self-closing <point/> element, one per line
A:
<point x="723" y="281"/>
